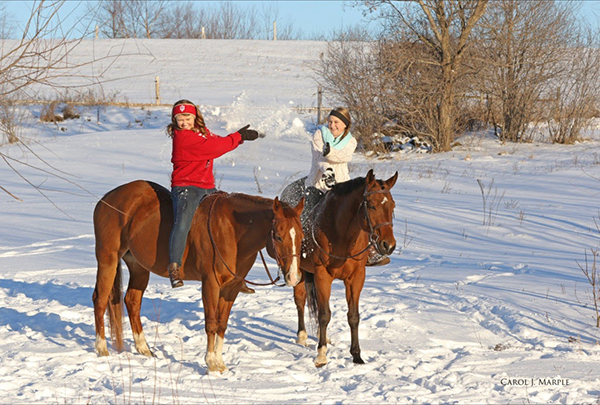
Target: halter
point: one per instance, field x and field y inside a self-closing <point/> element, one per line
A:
<point x="373" y="237"/>
<point x="277" y="256"/>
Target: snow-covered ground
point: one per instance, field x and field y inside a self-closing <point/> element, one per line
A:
<point x="478" y="305"/>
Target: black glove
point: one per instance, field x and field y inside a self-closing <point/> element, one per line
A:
<point x="329" y="177"/>
<point x="248" y="134"/>
<point x="326" y="149"/>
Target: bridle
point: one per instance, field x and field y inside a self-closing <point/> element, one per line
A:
<point x="278" y="257"/>
<point x="373" y="237"/>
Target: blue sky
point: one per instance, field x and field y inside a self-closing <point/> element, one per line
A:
<point x="312" y="17"/>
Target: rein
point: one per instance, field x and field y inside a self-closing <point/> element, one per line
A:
<point x="214" y="245"/>
<point x="373" y="237"/>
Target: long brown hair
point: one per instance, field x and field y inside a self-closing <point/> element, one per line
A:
<point x="198" y="121"/>
<point x="346" y="113"/>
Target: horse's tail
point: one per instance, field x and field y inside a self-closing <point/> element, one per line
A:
<point x="115" y="310"/>
<point x="311" y="296"/>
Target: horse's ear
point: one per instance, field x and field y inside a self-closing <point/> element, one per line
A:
<point x="392" y="180"/>
<point x="300" y="206"/>
<point x="370" y="176"/>
<point x="277" y="208"/>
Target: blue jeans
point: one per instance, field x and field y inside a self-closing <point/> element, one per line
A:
<point x="185" y="201"/>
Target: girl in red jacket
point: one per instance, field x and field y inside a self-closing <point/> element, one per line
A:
<point x="194" y="148"/>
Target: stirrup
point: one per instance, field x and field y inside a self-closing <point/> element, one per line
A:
<point x="174" y="275"/>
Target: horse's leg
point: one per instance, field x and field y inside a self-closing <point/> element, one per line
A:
<point x="138" y="281"/>
<point x="354" y="287"/>
<point x="105" y="279"/>
<point x="227" y="295"/>
<point x="223" y="318"/>
<point x="323" y="283"/>
<point x="210" y="299"/>
<point x="300" y="300"/>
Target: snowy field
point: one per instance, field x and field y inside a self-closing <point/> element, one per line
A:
<point x="214" y="72"/>
<point x="476" y="306"/>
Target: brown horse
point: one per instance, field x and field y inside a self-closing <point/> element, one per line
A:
<point x="351" y="217"/>
<point x="133" y="222"/>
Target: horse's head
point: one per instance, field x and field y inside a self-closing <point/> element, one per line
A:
<point x="378" y="207"/>
<point x="286" y="239"/>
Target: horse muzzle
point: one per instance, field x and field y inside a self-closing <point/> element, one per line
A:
<point x="385" y="248"/>
<point x="292" y="276"/>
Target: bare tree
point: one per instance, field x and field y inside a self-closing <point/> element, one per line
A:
<point x="524" y="51"/>
<point x="183" y="20"/>
<point x="229" y="21"/>
<point x="39" y="58"/>
<point x="6" y="26"/>
<point x="164" y="19"/>
<point x="147" y="14"/>
<point x="111" y="19"/>
<point x="131" y="18"/>
<point x="379" y="81"/>
<point x="578" y="93"/>
<point x="443" y="66"/>
<point x="444" y="27"/>
<point x="350" y="72"/>
<point x="411" y="80"/>
<point x="590" y="270"/>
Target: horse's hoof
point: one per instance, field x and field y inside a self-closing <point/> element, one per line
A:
<point x="214" y="365"/>
<point x="146" y="353"/>
<point x="101" y="348"/>
<point x="217" y="369"/>
<point x="302" y="338"/>
<point x="321" y="359"/>
<point x="358" y="360"/>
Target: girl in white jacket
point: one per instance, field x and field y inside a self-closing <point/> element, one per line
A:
<point x="332" y="148"/>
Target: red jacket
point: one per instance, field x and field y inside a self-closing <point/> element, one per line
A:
<point x="193" y="155"/>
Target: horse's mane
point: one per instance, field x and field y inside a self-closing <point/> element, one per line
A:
<point x="345" y="188"/>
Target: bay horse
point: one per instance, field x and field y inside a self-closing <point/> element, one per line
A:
<point x="133" y="222"/>
<point x="350" y="218"/>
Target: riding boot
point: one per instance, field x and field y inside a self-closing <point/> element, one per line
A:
<point x="376" y="259"/>
<point x="174" y="276"/>
<point x="246" y="290"/>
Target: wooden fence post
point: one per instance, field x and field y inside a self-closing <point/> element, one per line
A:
<point x="319" y="102"/>
<point x="157" y="89"/>
<point x="203" y="33"/>
<point x="274" y="30"/>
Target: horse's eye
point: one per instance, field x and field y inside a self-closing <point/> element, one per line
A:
<point x="371" y="207"/>
<point x="277" y="238"/>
